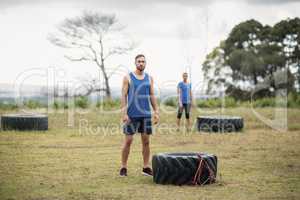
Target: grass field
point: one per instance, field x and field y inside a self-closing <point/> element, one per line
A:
<point x="83" y="163"/>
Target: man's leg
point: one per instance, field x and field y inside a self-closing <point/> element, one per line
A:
<point x="180" y="109"/>
<point x="187" y="116"/>
<point x="146" y="148"/>
<point x="188" y="124"/>
<point x="126" y="149"/>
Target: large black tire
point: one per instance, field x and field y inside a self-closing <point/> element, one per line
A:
<point x="219" y="123"/>
<point x="24" y="122"/>
<point x="180" y="168"/>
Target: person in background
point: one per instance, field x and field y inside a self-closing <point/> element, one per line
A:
<point x="184" y="91"/>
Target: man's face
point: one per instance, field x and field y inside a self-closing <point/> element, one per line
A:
<point x="140" y="63"/>
<point x="185" y="76"/>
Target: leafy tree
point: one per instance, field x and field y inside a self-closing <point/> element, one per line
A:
<point x="257" y="54"/>
<point x="286" y="34"/>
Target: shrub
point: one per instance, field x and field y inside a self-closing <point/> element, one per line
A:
<point x="293" y="100"/>
<point x="109" y="104"/>
<point x="82" y="102"/>
<point x="230" y="102"/>
<point x="201" y="103"/>
<point x="65" y="105"/>
<point x="171" y="101"/>
<point x="32" y="104"/>
<point x="56" y="105"/>
<point x="216" y="102"/>
<point x="60" y="104"/>
<point x="264" y="102"/>
<point x="8" y="105"/>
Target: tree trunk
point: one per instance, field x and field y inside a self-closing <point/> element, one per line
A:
<point x="298" y="75"/>
<point x="102" y="66"/>
<point x="107" y="87"/>
<point x="99" y="98"/>
<point x="255" y="79"/>
<point x="106" y="80"/>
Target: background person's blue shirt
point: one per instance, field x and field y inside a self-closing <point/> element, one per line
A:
<point x="185" y="89"/>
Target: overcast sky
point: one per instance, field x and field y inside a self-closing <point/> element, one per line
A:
<point x="171" y="34"/>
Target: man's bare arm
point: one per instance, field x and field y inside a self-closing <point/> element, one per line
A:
<point x="179" y="96"/>
<point x="125" y="86"/>
<point x="152" y="97"/>
<point x="192" y="99"/>
<point x="153" y="101"/>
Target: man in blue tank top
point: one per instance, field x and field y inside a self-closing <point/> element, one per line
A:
<point x="137" y="95"/>
<point x="184" y="90"/>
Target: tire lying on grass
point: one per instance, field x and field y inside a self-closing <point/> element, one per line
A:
<point x="24" y="122"/>
<point x="184" y="168"/>
<point x="220" y="123"/>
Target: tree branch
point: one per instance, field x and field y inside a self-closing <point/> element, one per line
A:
<point x="77" y="59"/>
<point x="119" y="51"/>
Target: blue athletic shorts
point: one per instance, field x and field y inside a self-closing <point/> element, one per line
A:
<point x="138" y="124"/>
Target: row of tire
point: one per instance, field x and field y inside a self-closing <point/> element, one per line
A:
<point x="220" y="124"/>
<point x="24" y="122"/>
<point x="40" y="122"/>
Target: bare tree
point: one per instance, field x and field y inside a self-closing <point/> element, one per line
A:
<point x="94" y="37"/>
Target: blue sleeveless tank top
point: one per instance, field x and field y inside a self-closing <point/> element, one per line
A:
<point x="139" y="97"/>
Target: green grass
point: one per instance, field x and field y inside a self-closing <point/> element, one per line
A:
<point x="65" y="163"/>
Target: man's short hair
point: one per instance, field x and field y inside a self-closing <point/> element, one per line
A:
<point x="139" y="56"/>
